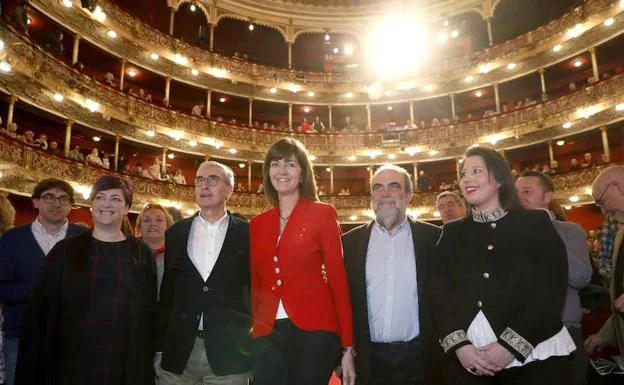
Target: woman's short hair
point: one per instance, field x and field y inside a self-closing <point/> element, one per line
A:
<point x="110" y="182"/>
<point x="498" y="167"/>
<point x="151" y="206"/>
<point x="7" y="213"/>
<point x="279" y="150"/>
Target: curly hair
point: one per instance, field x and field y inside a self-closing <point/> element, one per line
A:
<point x="7" y="213"/>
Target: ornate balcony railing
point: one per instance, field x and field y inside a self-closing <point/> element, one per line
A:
<point x="37" y="75"/>
<point x="139" y="40"/>
<point x="22" y="166"/>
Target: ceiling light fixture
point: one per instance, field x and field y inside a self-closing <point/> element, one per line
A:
<point x="96" y="138"/>
<point x="112" y="34"/>
<point x="348" y="50"/>
<point x="574" y="198"/>
<point x="567" y="125"/>
<point x="327" y="37"/>
<point x="336" y="50"/>
<point x="306" y="109"/>
<point x="389" y="108"/>
<point x="609" y="22"/>
<point x="557" y="48"/>
<point x="193" y="7"/>
<point x="433" y="152"/>
<point x="578" y="63"/>
<point x="511" y="66"/>
<point x="193" y="143"/>
<point x="469" y="78"/>
<point x="171" y="155"/>
<point x="311" y="94"/>
<point x="58" y="97"/>
<point x="251" y="27"/>
<point x="99" y="14"/>
<point x="352" y="158"/>
<point x="560" y="143"/>
<point x="391" y="156"/>
<point x="222" y="100"/>
<point x="180" y="59"/>
<point x="619" y="107"/>
<point x="132" y="73"/>
<point x="154" y="56"/>
<point x="349" y="94"/>
<point x="273" y="90"/>
<point x="455" y="34"/>
<point x="68" y="3"/>
<point x="150" y="133"/>
<point x="576" y="31"/>
<point x="312" y="157"/>
<point x="232" y="151"/>
<point x="485" y="68"/>
<point x="353" y="217"/>
<point x="478" y="94"/>
<point x="241" y="165"/>
<point x="194" y="72"/>
<point x="91" y="105"/>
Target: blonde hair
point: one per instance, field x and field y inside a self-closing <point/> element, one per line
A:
<point x="150" y="206"/>
<point x="7" y="213"/>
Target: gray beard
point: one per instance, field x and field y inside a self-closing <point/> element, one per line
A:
<point x="388" y="218"/>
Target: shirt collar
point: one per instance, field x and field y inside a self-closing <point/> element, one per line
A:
<point x="220" y="223"/>
<point x="39" y="228"/>
<point x="382" y="230"/>
<point x="488" y="216"/>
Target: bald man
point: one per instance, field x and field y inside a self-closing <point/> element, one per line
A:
<point x="608" y="192"/>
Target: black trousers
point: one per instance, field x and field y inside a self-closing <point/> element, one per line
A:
<point x="397" y="363"/>
<point x="291" y="356"/>
<point x="552" y="371"/>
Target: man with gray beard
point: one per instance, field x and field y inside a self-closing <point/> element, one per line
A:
<point x="387" y="263"/>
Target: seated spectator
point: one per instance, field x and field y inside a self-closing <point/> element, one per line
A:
<point x="154" y="170"/>
<point x="554" y="168"/>
<point x="604" y="159"/>
<point x="304" y="127"/>
<point x="435" y="122"/>
<point x="197" y="110"/>
<point x="537" y="167"/>
<point x="41" y="142"/>
<point x="260" y="189"/>
<point x="93" y="159"/>
<point x="178" y="177"/>
<point x="443" y="186"/>
<point x="265" y="126"/>
<point x="423" y="124"/>
<point x="546" y="169"/>
<point x="409" y="125"/>
<point x="138" y="170"/>
<point x="518" y="105"/>
<point x="349" y="126"/>
<point x="126" y="170"/>
<point x="591" y="80"/>
<point x="76" y="155"/>
<point x="572" y="87"/>
<point x="20" y="17"/>
<point x="141" y="94"/>
<point x="54" y="42"/>
<point x="587" y="161"/>
<point x="256" y="124"/>
<point x="505" y="108"/>
<point x="53" y="148"/>
<point x="317" y="125"/>
<point x="110" y="79"/>
<point x="29" y="137"/>
<point x="272" y="127"/>
<point x="574" y="165"/>
<point x="240" y="187"/>
<point x="148" y="98"/>
<point x="348" y="191"/>
<point x="544" y="97"/>
<point x="322" y="191"/>
<point x="144" y="173"/>
<point x="446" y="121"/>
<point x="342" y="193"/>
<point x="165" y="103"/>
<point x="424" y="182"/>
<point x="106" y="161"/>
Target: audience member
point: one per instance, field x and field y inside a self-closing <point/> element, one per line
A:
<point x="106" y="161"/>
<point x="178" y="177"/>
<point x="348" y="125"/>
<point x="240" y="187"/>
<point x="537" y="191"/>
<point x="155" y="170"/>
<point x="23" y="251"/>
<point x="7" y="217"/>
<point x="604" y="159"/>
<point x="76" y="155"/>
<point x="20" y="16"/>
<point x="574" y="165"/>
<point x="572" y="87"/>
<point x="424" y="182"/>
<point x="260" y="189"/>
<point x="29" y="137"/>
<point x="451" y="206"/>
<point x="317" y="125"/>
<point x="53" y="148"/>
<point x="93" y="159"/>
<point x="41" y="142"/>
<point x="110" y="79"/>
<point x="304" y="127"/>
<point x="554" y="168"/>
<point x="197" y="110"/>
<point x="587" y="161"/>
<point x="54" y="42"/>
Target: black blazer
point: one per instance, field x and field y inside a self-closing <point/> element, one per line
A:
<point x="355" y="245"/>
<point x="223" y="299"/>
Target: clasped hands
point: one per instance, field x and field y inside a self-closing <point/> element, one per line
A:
<point x="484" y="361"/>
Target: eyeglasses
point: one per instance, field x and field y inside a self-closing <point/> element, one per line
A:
<point x="599" y="201"/>
<point x="212" y="180"/>
<point x="49" y="199"/>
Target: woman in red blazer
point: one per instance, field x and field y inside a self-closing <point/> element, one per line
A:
<point x="299" y="292"/>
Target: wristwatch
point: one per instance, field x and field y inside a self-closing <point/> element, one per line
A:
<point x="349" y="350"/>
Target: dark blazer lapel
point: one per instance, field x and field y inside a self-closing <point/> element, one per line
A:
<point x="230" y="242"/>
<point x="182" y="239"/>
<point x="420" y="252"/>
<point x="361" y="252"/>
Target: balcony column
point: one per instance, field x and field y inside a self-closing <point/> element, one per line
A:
<point x="68" y="130"/>
<point x="290" y="55"/>
<point x="249" y="169"/>
<point x="163" y="165"/>
<point x="415" y="176"/>
<point x="542" y="80"/>
<point x="211" y="27"/>
<point x="411" y="107"/>
<point x="12" y="100"/>
<point x="290" y="115"/>
<point x="458" y="169"/>
<point x="331" y="180"/>
<point x="76" y="48"/>
<point x="452" y="96"/>
<point x="251" y="112"/>
<point x="208" y="103"/>
<point x="594" y="60"/>
<point x="368" y="117"/>
<point x="122" y="75"/>
<point x="116" y="161"/>
<point x="551" y="151"/>
<point x="489" y="30"/>
<point x="605" y="142"/>
<point x="330" y="123"/>
<point x="497" y="98"/>
<point x="172" y="13"/>
<point x="371" y="172"/>
<point x="167" y="89"/>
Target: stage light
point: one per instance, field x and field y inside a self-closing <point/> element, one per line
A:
<point x="388" y="41"/>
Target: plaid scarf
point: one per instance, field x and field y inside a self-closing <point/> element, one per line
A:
<point x="605" y="256"/>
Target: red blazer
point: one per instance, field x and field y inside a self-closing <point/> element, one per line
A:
<point x="292" y="271"/>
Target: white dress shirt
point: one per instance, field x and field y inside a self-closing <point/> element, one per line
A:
<point x="204" y="245"/>
<point x="46" y="240"/>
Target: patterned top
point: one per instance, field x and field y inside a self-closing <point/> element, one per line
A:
<point x="488" y="216"/>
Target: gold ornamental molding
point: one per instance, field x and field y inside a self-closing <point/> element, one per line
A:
<point x="22" y="167"/>
<point x="37" y="75"/>
<point x="136" y="41"/>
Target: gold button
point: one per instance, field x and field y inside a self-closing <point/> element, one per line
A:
<point x="479" y="303"/>
<point x="486" y="275"/>
<point x="493" y="225"/>
<point x="279" y="282"/>
<point x="275" y="259"/>
<point x="277" y="270"/>
<point x="273" y="287"/>
<point x="490" y="247"/>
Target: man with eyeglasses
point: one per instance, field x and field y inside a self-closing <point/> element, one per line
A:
<point x="204" y="319"/>
<point x="23" y="250"/>
<point x="608" y="192"/>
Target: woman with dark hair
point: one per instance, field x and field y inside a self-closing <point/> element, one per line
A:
<point x="90" y="317"/>
<point x="498" y="285"/>
<point x="299" y="292"/>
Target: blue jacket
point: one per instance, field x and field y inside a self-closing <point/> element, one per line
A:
<point x="20" y="261"/>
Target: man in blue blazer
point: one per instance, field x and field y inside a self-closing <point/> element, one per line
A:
<point x="22" y="252"/>
<point x="536" y="191"/>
